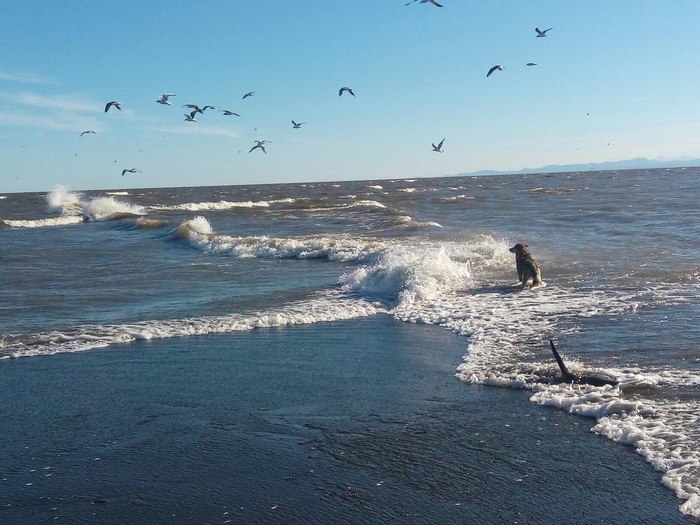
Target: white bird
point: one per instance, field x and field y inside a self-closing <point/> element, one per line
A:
<point x="249" y="94"/>
<point x="228" y="113"/>
<point x="208" y="107"/>
<point x="260" y="144"/>
<point x="342" y="89"/>
<point x="132" y="170"/>
<point x="425" y="2"/>
<point x="297" y="125"/>
<point x="113" y="103"/>
<point x="164" y="98"/>
<point x="494" y="68"/>
<point x="189" y="117"/>
<point x="88" y="131"/>
<point x="541" y="33"/>
<point x="438" y="148"/>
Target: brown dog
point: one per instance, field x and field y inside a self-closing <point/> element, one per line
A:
<point x="526" y="265"/>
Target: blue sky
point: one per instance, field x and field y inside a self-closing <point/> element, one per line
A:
<point x="614" y="80"/>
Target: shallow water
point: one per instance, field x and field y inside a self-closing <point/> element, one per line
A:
<point x="618" y="252"/>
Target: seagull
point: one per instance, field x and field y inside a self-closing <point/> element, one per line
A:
<point x="132" y="170"/>
<point x="207" y="107"/>
<point x="249" y="94"/>
<point x="345" y="89"/>
<point x="228" y="113"/>
<point x="196" y="108"/>
<point x="494" y="68"/>
<point x="189" y="117"/>
<point x="113" y="103"/>
<point x="260" y="144"/>
<point x="297" y="125"/>
<point x="530" y="64"/>
<point x="540" y="33"/>
<point x="425" y="2"/>
<point x="164" y="98"/>
<point x="438" y="148"/>
<point x="88" y="131"/>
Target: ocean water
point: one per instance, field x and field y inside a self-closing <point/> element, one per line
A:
<point x="619" y="253"/>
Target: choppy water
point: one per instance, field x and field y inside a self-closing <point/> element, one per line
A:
<point x="619" y="255"/>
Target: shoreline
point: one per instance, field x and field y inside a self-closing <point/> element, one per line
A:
<point x="359" y="421"/>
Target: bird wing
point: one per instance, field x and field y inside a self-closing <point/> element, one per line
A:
<point x="435" y="3"/>
<point x="440" y="145"/>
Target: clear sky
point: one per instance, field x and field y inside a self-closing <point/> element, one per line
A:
<point x="614" y="80"/>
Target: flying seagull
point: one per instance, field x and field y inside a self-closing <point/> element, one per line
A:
<point x="494" y="68"/>
<point x="249" y="94"/>
<point x="189" y="117"/>
<point x="164" y="98"/>
<point x="345" y="89"/>
<point x="113" y="103"/>
<point x="208" y="107"/>
<point x="228" y="113"/>
<point x="425" y="2"/>
<point x="132" y="170"/>
<point x="88" y="131"/>
<point x="196" y="108"/>
<point x="438" y="148"/>
<point x="540" y="33"/>
<point x="297" y="125"/>
<point x="260" y="144"/>
<point x="530" y="64"/>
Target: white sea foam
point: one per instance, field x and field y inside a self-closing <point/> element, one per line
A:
<point x="109" y="207"/>
<point x="72" y="205"/>
<point x="365" y="204"/>
<point x="199" y="233"/>
<point x="62" y="200"/>
<point x="404" y="275"/>
<point x="43" y="223"/>
<point x="195" y="230"/>
<point x="330" y="307"/>
<point x="407" y="220"/>
<point x="667" y="435"/>
<point x="219" y="205"/>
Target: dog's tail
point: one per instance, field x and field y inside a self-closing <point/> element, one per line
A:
<point x="564" y="371"/>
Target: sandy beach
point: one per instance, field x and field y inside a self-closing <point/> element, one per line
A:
<point x="297" y="425"/>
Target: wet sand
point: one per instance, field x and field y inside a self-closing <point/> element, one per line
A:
<point x="351" y="422"/>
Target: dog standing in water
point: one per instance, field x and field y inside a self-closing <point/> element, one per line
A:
<point x="526" y="265"/>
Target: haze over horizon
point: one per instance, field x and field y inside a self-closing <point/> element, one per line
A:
<point x="607" y="86"/>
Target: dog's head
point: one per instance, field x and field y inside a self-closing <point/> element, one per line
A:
<point x="519" y="249"/>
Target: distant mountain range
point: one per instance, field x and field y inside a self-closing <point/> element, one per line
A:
<point x="629" y="164"/>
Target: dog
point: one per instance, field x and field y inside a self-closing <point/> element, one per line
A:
<point x="526" y="265"/>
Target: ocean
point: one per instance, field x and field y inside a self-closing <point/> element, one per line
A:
<point x="394" y="284"/>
